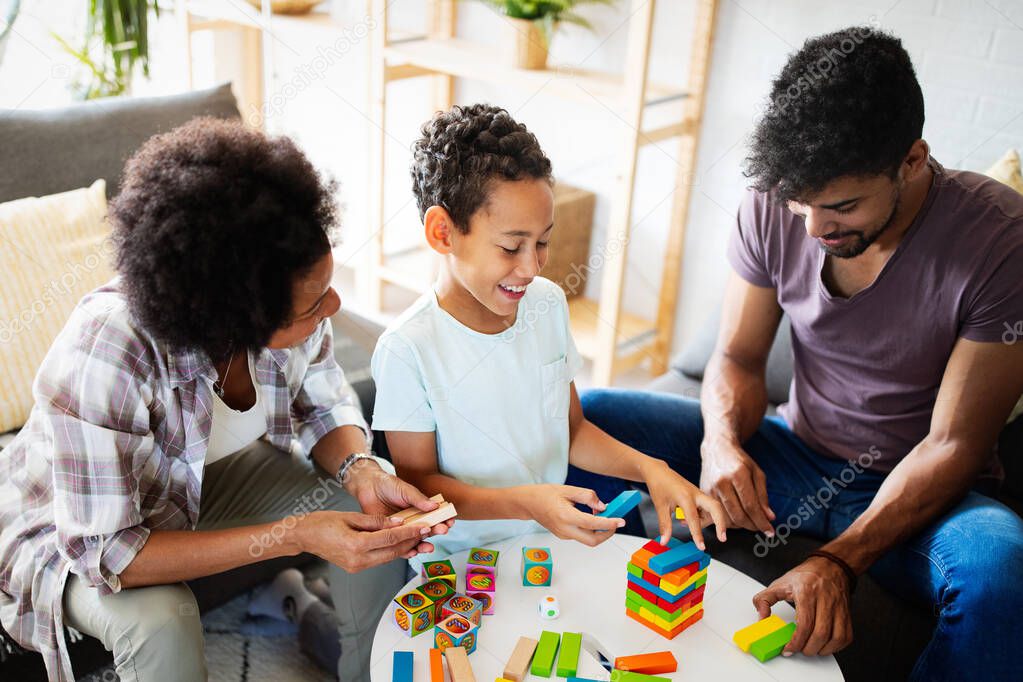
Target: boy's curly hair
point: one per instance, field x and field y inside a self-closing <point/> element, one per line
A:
<point x="847" y="103"/>
<point x="213" y="224"/>
<point x="463" y="150"/>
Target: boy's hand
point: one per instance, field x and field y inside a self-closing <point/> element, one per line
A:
<point x="553" y="507"/>
<point x="668" y="490"/>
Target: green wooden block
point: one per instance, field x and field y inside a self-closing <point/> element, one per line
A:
<point x="635" y="570"/>
<point x="769" y="646"/>
<point x="629" y="676"/>
<point x="546" y="650"/>
<point x="568" y="658"/>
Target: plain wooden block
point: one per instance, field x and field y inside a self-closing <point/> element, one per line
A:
<point x="459" y="667"/>
<point x="517" y="666"/>
<point x="405" y="514"/>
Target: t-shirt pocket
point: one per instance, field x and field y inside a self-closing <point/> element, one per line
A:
<point x="556" y="393"/>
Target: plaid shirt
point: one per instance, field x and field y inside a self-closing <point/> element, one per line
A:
<point x="114" y="448"/>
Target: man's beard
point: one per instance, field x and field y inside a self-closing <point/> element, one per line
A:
<point x="861" y="241"/>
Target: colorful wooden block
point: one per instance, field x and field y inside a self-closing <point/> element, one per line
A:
<point x="641" y="557"/>
<point x="438" y="591"/>
<point x="517" y="666"/>
<point x="668" y="634"/>
<point x="648" y="664"/>
<point x="746" y="636"/>
<point x="480" y="582"/>
<point x="629" y="676"/>
<point x="439" y="570"/>
<point x="656" y="547"/>
<point x="568" y="654"/>
<point x="401" y="666"/>
<point x="537" y="567"/>
<point x="670" y="598"/>
<point x="676" y="590"/>
<point x="642" y="592"/>
<point x="676" y="557"/>
<point x="546" y="650"/>
<point x="436" y="665"/>
<point x="455" y="631"/>
<point x="622" y="505"/>
<point x="414" y="613"/>
<point x="459" y="668"/>
<point x="486" y="600"/>
<point x="482" y="560"/>
<point x="771" y="645"/>
<point x="689" y="600"/>
<point x="464" y="606"/>
<point x="679" y="514"/>
<point x="634" y="570"/>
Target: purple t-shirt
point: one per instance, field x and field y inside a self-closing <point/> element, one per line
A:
<point x="867" y="368"/>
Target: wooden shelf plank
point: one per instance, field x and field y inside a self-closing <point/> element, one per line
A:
<point x="467" y="59"/>
<point x="634" y="332"/>
<point x="241" y="13"/>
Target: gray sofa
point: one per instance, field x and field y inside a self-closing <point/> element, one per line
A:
<point x="889" y="632"/>
<point x="44" y="152"/>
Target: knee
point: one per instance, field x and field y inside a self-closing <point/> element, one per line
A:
<point x="169" y="617"/>
<point x="989" y="569"/>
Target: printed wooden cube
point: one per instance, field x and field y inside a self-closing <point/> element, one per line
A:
<point x="455" y="631"/>
<point x="464" y="606"/>
<point x="537" y="567"/>
<point x="486" y="599"/>
<point x="439" y="570"/>
<point x="482" y="560"/>
<point x="438" y="591"/>
<point x="480" y="582"/>
<point x="414" y="613"/>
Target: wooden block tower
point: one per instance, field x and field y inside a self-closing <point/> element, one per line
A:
<point x="666" y="585"/>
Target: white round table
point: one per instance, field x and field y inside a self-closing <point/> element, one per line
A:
<point x="590" y="586"/>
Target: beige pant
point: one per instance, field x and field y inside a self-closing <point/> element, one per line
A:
<point x="155" y="632"/>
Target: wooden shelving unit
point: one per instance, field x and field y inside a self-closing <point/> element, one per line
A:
<point x="612" y="338"/>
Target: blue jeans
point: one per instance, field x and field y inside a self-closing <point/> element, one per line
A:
<point x="967" y="565"/>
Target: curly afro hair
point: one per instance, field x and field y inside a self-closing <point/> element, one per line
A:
<point x="847" y="103"/>
<point x="463" y="150"/>
<point x="213" y="224"/>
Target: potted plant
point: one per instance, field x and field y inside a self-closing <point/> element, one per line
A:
<point x="535" y="23"/>
<point x="116" y="40"/>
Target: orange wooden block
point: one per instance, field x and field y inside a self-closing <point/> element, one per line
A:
<point x="648" y="664"/>
<point x="642" y="559"/>
<point x="436" y="665"/>
<point x="680" y="575"/>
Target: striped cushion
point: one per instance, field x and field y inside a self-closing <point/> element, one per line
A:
<point x="55" y="251"/>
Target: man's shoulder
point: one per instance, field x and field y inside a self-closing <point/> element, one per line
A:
<point x="979" y="196"/>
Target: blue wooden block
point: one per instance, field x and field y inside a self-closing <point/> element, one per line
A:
<point x="667" y="596"/>
<point x="401" y="667"/>
<point x="622" y="505"/>
<point x="676" y="557"/>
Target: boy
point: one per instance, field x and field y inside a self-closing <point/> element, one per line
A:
<point x="474" y="381"/>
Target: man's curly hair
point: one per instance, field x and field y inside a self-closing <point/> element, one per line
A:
<point x="847" y="103"/>
<point x="463" y="150"/>
<point x="213" y="224"/>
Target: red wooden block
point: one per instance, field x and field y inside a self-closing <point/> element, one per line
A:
<point x="687" y="602"/>
<point x="646" y="594"/>
<point x="655" y="547"/>
<point x="651" y="578"/>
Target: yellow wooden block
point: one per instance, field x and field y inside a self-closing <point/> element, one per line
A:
<point x="668" y="624"/>
<point x="679" y="589"/>
<point x="679" y="514"/>
<point x="745" y="637"/>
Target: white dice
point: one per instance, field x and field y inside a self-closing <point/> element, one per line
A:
<point x="548" y="608"/>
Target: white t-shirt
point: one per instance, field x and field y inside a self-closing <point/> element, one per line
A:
<point x="497" y="402"/>
<point x="231" y="429"/>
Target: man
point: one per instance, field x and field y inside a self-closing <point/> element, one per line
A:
<point x="899" y="278"/>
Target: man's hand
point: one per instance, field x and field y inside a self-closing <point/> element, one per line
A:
<point x="819" y="590"/>
<point x="356" y="542"/>
<point x="380" y="493"/>
<point x="731" y="475"/>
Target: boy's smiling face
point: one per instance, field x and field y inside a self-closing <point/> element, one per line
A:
<point x="488" y="269"/>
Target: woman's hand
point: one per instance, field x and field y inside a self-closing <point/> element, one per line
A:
<point x="553" y="507"/>
<point x="380" y="493"/>
<point x="356" y="541"/>
<point x="668" y="490"/>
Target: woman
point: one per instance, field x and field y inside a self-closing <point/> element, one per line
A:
<point x="166" y="414"/>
